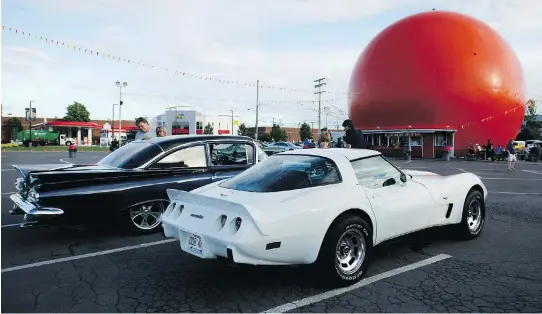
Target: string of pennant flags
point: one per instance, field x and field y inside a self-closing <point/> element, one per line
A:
<point x="93" y="52"/>
<point x="280" y="101"/>
<point x="102" y="54"/>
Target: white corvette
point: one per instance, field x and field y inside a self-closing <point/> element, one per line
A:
<point x="324" y="206"/>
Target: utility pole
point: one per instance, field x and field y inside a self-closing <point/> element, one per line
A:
<point x="257" y="107"/>
<point x="120" y="86"/>
<point x="318" y="86"/>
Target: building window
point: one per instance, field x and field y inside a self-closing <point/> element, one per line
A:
<point x="415" y="141"/>
<point x="199" y="125"/>
<point x="440" y="139"/>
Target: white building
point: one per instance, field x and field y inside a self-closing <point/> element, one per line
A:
<point x="185" y="120"/>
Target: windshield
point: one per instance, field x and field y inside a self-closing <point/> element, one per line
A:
<point x="131" y="155"/>
<point x="284" y="173"/>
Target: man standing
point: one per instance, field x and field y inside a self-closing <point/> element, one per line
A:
<point x="144" y="132"/>
<point x="511" y="155"/>
<point x="353" y="137"/>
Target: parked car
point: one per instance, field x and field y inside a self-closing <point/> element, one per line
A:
<point x="279" y="212"/>
<point x="128" y="185"/>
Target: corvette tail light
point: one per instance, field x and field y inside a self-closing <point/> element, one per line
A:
<point x="238" y="223"/>
<point x="223" y="220"/>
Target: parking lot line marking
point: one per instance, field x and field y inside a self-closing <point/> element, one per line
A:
<point x="8" y="169"/>
<point x="10" y="225"/>
<point x="66" y="162"/>
<point x="3" y="193"/>
<point x="364" y="282"/>
<point x="532" y="171"/>
<point x="461" y="170"/>
<point x="76" y="257"/>
<point x="515" y="193"/>
<point x="504" y="179"/>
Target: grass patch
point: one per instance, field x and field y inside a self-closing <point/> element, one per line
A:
<point x="52" y="148"/>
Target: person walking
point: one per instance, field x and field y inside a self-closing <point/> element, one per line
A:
<point x="511" y="155"/>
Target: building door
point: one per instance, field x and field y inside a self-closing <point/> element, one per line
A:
<point x="428" y="149"/>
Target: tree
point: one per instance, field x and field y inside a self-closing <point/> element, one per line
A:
<point x="14" y="122"/>
<point x="530" y="130"/>
<point x="77" y="112"/>
<point x="208" y="129"/>
<point x="265" y="137"/>
<point x="278" y="134"/>
<point x="305" y="132"/>
<point x="242" y="129"/>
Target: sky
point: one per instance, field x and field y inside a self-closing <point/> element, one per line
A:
<point x="286" y="44"/>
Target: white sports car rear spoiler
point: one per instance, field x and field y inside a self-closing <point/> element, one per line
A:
<point x="212" y="204"/>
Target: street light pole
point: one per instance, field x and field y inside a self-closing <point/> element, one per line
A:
<point x="257" y="107"/>
<point x="113" y="123"/>
<point x="30" y="122"/>
<point x="120" y="86"/>
<point x="231" y="122"/>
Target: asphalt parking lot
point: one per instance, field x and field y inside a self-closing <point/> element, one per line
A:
<point x="87" y="270"/>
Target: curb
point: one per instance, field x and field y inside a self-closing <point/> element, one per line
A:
<point x="50" y="150"/>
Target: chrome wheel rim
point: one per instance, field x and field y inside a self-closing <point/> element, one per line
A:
<point x="474" y="216"/>
<point x="350" y="251"/>
<point x="147" y="216"/>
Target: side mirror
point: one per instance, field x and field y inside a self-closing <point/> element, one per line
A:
<point x="403" y="178"/>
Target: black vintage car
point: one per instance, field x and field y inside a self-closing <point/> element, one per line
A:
<point x="128" y="186"/>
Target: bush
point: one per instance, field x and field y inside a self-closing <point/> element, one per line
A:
<point x="10" y="145"/>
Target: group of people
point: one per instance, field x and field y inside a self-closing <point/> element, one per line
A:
<point x="352" y="138"/>
<point x="498" y="153"/>
<point x="145" y="133"/>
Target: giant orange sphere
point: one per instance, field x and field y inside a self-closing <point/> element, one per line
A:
<point x="439" y="69"/>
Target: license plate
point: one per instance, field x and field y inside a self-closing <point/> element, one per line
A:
<point x="195" y="244"/>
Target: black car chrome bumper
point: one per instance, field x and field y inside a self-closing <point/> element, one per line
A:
<point x="31" y="209"/>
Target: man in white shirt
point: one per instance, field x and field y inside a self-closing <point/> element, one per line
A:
<point x="144" y="132"/>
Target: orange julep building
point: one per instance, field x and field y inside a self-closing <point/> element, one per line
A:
<point x="437" y="78"/>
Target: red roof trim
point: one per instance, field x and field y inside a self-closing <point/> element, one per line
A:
<point x="72" y="124"/>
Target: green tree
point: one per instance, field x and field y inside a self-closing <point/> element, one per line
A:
<point x="305" y="132"/>
<point x="77" y="112"/>
<point x="265" y="137"/>
<point x="14" y="122"/>
<point x="242" y="129"/>
<point x="278" y="134"/>
<point x="530" y="130"/>
<point x="208" y="129"/>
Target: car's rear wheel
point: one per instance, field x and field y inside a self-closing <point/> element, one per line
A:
<point x="346" y="251"/>
<point x="145" y="218"/>
<point x="473" y="217"/>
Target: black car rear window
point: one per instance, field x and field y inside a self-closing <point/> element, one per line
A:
<point x="131" y="155"/>
<point x="284" y="173"/>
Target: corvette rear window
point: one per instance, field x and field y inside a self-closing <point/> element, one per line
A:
<point x="284" y="173"/>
